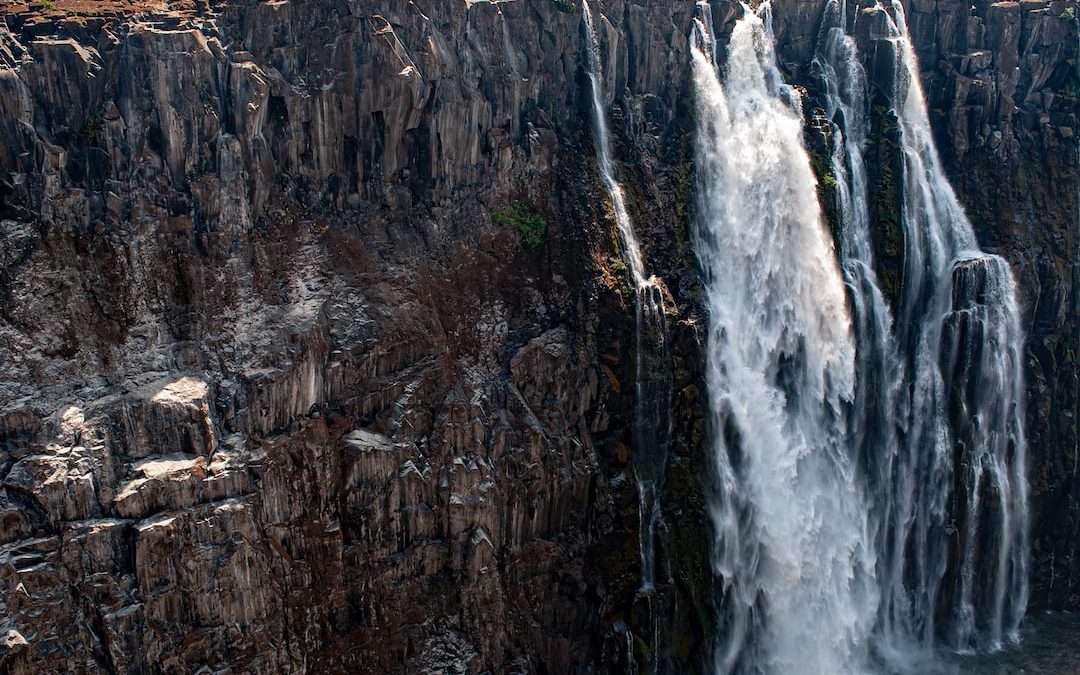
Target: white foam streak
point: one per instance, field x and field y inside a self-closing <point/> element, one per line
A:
<point x="631" y="248"/>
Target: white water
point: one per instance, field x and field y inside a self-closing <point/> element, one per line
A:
<point x="792" y="537"/>
<point x="870" y="484"/>
<point x="961" y="479"/>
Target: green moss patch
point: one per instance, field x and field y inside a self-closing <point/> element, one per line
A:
<point x="529" y="223"/>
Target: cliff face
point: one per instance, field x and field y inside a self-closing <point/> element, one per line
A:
<point x="277" y="390"/>
<point x="289" y="380"/>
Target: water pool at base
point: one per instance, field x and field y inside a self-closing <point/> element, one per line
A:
<point x="1049" y="645"/>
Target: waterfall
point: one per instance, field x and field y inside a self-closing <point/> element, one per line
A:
<point x="950" y="503"/>
<point x="875" y="419"/>
<point x="602" y="141"/>
<point x="869" y="473"/>
<point x="652" y="380"/>
<point x="878" y="370"/>
<point x="792" y="530"/>
<point x="961" y="573"/>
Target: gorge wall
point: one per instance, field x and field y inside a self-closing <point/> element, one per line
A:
<point x="316" y="346"/>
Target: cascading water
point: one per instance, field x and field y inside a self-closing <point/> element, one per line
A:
<point x="792" y="545"/>
<point x="880" y="402"/>
<point x="652" y="386"/>
<point x="878" y="370"/>
<point x="869" y="475"/>
<point x="956" y="562"/>
<point x="956" y="480"/>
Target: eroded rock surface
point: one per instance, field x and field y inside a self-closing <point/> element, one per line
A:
<point x="278" y="394"/>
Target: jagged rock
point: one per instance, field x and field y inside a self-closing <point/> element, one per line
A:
<point x="61" y="484"/>
<point x="276" y="393"/>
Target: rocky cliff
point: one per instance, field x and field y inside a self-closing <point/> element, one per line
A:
<point x="316" y="349"/>
<point x="279" y="393"/>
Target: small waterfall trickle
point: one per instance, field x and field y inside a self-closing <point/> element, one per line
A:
<point x="792" y="543"/>
<point x="602" y="141"/>
<point x="652" y="379"/>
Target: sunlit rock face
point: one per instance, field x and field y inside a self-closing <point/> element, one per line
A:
<point x="277" y="392"/>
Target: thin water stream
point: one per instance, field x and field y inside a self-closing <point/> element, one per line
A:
<point x="652" y="374"/>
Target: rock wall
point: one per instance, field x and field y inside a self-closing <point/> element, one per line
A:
<point x="277" y="392"/>
<point x="284" y="388"/>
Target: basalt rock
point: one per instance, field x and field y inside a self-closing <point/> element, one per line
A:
<point x="277" y="394"/>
